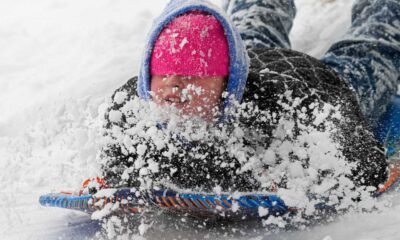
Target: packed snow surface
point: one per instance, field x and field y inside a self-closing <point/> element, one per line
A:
<point x="60" y="60"/>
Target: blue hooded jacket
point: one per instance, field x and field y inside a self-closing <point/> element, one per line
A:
<point x="238" y="58"/>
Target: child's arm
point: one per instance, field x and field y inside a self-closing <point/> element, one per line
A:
<point x="115" y="159"/>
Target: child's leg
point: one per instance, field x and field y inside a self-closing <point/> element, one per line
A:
<point x="369" y="55"/>
<point x="263" y="23"/>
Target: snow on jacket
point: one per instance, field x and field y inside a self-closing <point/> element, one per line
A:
<point x="304" y="120"/>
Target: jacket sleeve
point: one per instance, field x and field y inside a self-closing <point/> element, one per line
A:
<point x="114" y="157"/>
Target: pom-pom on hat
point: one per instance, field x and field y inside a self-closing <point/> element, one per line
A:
<point x="193" y="44"/>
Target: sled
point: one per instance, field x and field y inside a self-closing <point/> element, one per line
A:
<point x="225" y="205"/>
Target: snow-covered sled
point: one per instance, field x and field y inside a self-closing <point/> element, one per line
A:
<point x="226" y="205"/>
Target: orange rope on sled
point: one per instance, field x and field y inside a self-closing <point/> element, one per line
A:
<point x="87" y="181"/>
<point x="68" y="193"/>
<point x="135" y="210"/>
<point x="99" y="180"/>
<point x="394" y="174"/>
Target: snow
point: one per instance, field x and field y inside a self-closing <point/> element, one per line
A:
<point x="183" y="43"/>
<point x="263" y="211"/>
<point x="59" y="62"/>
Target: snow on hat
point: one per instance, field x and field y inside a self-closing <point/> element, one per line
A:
<point x="193" y="44"/>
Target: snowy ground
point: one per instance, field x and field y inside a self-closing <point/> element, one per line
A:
<point x="60" y="59"/>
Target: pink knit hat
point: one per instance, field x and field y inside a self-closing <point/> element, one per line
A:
<point x="193" y="44"/>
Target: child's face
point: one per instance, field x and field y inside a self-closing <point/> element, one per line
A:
<point x="194" y="96"/>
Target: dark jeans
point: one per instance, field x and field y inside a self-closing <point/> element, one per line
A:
<point x="368" y="56"/>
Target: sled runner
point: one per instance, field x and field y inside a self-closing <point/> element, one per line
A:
<point x="131" y="201"/>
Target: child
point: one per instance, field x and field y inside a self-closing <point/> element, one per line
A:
<point x="286" y="121"/>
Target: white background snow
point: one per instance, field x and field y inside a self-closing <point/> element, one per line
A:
<point x="59" y="60"/>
